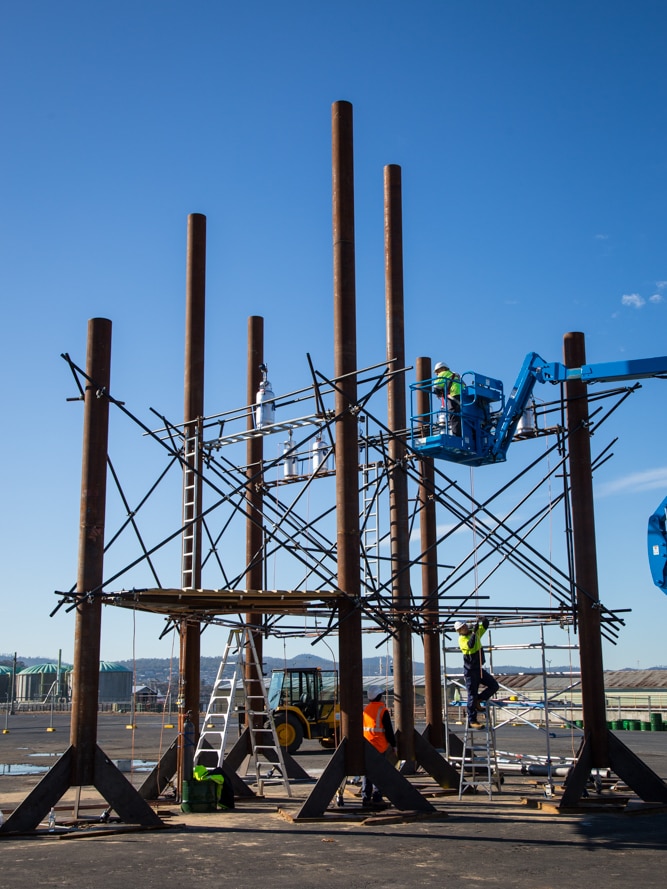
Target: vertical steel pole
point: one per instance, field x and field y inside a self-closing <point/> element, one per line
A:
<point x="585" y="554"/>
<point x="347" y="434"/>
<point x="429" y="566"/>
<point x="399" y="531"/>
<point x="255" y="504"/>
<point x="195" y="302"/>
<point x="90" y="576"/>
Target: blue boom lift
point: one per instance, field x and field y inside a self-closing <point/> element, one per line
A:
<point x="657" y="546"/>
<point x="489" y="421"/>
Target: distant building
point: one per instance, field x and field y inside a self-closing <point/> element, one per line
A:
<point x="5" y="683"/>
<point x="115" y="683"/>
<point x="145" y="698"/>
<point x="41" y="682"/>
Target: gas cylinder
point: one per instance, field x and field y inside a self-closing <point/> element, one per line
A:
<point x="265" y="409"/>
<point x="290" y="463"/>
<point x="319" y="454"/>
<point x="528" y="422"/>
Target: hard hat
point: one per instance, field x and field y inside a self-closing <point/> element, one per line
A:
<point x="459" y="624"/>
<point x="374" y="691"/>
<point x="440" y="366"/>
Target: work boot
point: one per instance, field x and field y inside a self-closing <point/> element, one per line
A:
<point x="475" y="724"/>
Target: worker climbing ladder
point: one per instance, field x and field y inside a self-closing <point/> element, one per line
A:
<point x="210" y="750"/>
<point x="479" y="760"/>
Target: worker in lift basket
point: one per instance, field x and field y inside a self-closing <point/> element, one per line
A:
<point x="379" y="731"/>
<point x="448" y="385"/>
<point x="470" y="643"/>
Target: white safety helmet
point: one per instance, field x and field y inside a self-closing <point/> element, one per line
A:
<point x="459" y="624"/>
<point x="440" y="366"/>
<point x="374" y="691"/>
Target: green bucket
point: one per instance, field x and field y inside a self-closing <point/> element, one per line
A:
<point x="646" y="726"/>
<point x="199" y="796"/>
<point x="616" y="724"/>
<point x="656" y="722"/>
<point x="635" y="725"/>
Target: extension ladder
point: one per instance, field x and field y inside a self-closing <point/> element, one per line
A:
<point x="262" y="729"/>
<point x="479" y="761"/>
<point x="191" y="504"/>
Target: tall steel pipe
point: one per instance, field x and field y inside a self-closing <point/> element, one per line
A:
<point x="255" y="501"/>
<point x="429" y="574"/>
<point x="399" y="530"/>
<point x="90" y="574"/>
<point x="585" y="554"/>
<point x="195" y="303"/>
<point x="347" y="435"/>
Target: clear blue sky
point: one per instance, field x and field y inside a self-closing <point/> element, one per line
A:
<point x="533" y="143"/>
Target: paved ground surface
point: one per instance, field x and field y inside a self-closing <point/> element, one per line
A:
<point x="498" y="842"/>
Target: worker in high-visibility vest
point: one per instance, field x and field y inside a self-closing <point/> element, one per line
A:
<point x="470" y="643"/>
<point x="378" y="731"/>
<point x="447" y="385"/>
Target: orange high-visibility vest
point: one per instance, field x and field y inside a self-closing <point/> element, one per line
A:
<point x="373" y="727"/>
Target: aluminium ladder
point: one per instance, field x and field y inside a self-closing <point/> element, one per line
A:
<point x="479" y="760"/>
<point x="192" y="484"/>
<point x="213" y="738"/>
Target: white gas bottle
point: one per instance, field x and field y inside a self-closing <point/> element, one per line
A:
<point x="265" y="406"/>
<point x="290" y="462"/>
<point x="319" y="454"/>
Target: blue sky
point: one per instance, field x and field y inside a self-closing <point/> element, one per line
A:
<point x="533" y="144"/>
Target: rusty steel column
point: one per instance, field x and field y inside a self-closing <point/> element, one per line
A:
<point x="585" y="555"/>
<point x="347" y="435"/>
<point x="86" y="675"/>
<point x="429" y="565"/>
<point x="255" y="504"/>
<point x="193" y="412"/>
<point x="399" y="530"/>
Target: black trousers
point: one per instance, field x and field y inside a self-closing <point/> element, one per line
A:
<point x="474" y="677"/>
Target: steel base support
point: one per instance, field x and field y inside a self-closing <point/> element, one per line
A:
<point x="434" y="764"/>
<point x="391" y="782"/>
<point x="122" y="797"/>
<point x="158" y="780"/>
<point x="648" y="786"/>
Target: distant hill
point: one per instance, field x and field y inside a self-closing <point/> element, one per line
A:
<point x="161" y="671"/>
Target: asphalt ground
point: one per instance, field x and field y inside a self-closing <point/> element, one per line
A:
<point x="502" y="841"/>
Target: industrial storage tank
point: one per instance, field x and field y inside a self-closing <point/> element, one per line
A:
<point x="38" y="682"/>
<point x="115" y="683"/>
<point x="5" y="683"/>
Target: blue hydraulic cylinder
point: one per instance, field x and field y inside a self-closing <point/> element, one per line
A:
<point x="657" y="546"/>
<point x="516" y="404"/>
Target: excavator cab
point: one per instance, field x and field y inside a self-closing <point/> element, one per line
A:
<point x="304" y="704"/>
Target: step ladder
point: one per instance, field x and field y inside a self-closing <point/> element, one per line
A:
<point x="210" y="750"/>
<point x="479" y="761"/>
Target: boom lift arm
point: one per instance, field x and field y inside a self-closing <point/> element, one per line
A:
<point x="489" y="423"/>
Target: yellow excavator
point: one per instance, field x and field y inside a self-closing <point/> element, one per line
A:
<point x="304" y="704"/>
